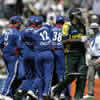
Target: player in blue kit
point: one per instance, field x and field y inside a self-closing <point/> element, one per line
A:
<point x="32" y="74"/>
<point x="9" y="41"/>
<point x="59" y="57"/>
<point x="42" y="46"/>
<point x="56" y="32"/>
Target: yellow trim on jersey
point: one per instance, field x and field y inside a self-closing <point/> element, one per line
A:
<point x="65" y="29"/>
<point x="76" y="36"/>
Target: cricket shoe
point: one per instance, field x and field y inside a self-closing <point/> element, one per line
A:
<point x="2" y="97"/>
<point x="62" y="96"/>
<point x="88" y="97"/>
<point x="46" y="96"/>
<point x="32" y="95"/>
<point x="52" y="90"/>
<point x="56" y="97"/>
<point x="19" y="94"/>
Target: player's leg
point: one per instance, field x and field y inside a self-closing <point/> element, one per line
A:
<point x="28" y="75"/>
<point x="33" y="76"/>
<point x="48" y="72"/>
<point x="66" y="71"/>
<point x="60" y="64"/>
<point x="60" y="69"/>
<point x="91" y="78"/>
<point x="12" y="72"/>
<point x="68" y="78"/>
<point x="81" y="81"/>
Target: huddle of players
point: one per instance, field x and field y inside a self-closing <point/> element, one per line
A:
<point x="30" y="55"/>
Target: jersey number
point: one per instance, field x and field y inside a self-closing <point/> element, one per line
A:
<point x="57" y="37"/>
<point x="44" y="35"/>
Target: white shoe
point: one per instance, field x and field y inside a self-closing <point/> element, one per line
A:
<point x="27" y="98"/>
<point x="2" y="97"/>
<point x="20" y="91"/>
<point x="62" y="96"/>
<point x="31" y="93"/>
<point x="52" y="93"/>
<point x="52" y="89"/>
<point x="55" y="98"/>
<point x="88" y="96"/>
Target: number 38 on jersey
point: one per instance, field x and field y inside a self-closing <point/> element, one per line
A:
<point x="57" y="36"/>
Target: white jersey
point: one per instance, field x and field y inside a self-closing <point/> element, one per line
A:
<point x="96" y="7"/>
<point x="94" y="45"/>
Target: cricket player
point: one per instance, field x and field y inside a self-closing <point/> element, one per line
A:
<point x="76" y="56"/>
<point x="32" y="77"/>
<point x="58" y="46"/>
<point x="11" y="46"/>
<point x="42" y="46"/>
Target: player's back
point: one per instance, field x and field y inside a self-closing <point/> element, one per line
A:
<point x="56" y="32"/>
<point x="26" y="37"/>
<point x="42" y="39"/>
<point x="10" y="40"/>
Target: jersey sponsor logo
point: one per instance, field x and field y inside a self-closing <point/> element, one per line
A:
<point x="74" y="32"/>
<point x="28" y="43"/>
<point x="45" y="43"/>
<point x="58" y="44"/>
<point x="75" y="36"/>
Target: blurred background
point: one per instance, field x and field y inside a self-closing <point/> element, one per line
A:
<point x="46" y="8"/>
<point x="49" y="9"/>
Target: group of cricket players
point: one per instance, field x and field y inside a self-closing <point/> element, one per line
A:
<point x="42" y="60"/>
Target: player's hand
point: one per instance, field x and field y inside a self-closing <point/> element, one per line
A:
<point x="67" y="41"/>
<point x="86" y="44"/>
<point x="98" y="61"/>
<point x="84" y="38"/>
<point x="52" y="49"/>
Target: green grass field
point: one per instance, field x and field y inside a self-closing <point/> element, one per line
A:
<point x="92" y="99"/>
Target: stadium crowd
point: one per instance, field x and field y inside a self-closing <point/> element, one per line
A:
<point x="46" y="45"/>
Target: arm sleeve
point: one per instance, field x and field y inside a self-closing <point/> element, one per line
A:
<point x="1" y="40"/>
<point x="67" y="38"/>
<point x="64" y="37"/>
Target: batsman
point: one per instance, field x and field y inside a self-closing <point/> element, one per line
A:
<point x="77" y="69"/>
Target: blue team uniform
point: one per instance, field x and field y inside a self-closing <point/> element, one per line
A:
<point x="42" y="46"/>
<point x="56" y="32"/>
<point x="47" y="25"/>
<point x="8" y="42"/>
<point x="32" y="73"/>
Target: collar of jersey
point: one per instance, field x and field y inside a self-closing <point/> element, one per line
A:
<point x="39" y="26"/>
<point x="31" y="25"/>
<point x="13" y="26"/>
<point x="59" y="25"/>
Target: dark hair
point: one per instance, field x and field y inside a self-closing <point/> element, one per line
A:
<point x="60" y="22"/>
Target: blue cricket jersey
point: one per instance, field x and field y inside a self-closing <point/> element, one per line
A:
<point x="10" y="40"/>
<point x="26" y="37"/>
<point x="57" y="37"/>
<point x="42" y="39"/>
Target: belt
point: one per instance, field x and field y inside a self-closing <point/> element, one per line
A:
<point x="95" y="57"/>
